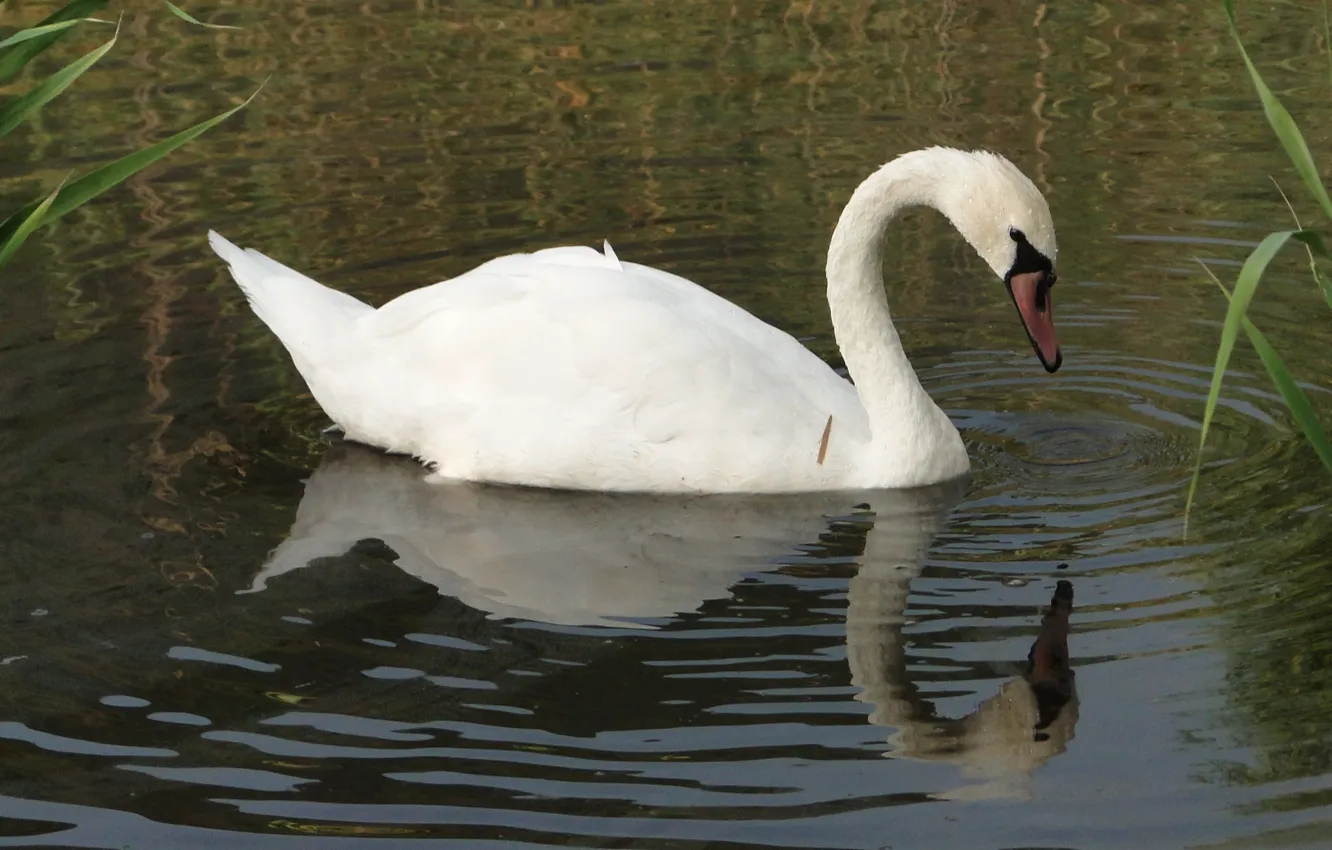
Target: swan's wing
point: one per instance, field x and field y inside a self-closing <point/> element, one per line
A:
<point x="567" y="357"/>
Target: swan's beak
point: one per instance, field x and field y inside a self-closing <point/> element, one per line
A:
<point x="1031" y="294"/>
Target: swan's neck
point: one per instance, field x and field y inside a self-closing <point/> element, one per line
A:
<point x="899" y="408"/>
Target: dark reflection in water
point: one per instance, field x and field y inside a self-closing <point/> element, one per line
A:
<point x="595" y="559"/>
<point x="658" y="668"/>
<point x="1030" y="720"/>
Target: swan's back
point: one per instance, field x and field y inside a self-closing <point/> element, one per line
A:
<point x="568" y="368"/>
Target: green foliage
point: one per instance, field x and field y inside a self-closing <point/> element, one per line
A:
<point x="1282" y="123"/>
<point x="30" y="222"/>
<point x="1292" y="140"/>
<point x="20" y="48"/>
<point x="39" y="31"/>
<point x="1295" y="399"/>
<point x="15" y="58"/>
<point x="188" y="18"/>
<point x="13" y="112"/>
<point x="80" y="191"/>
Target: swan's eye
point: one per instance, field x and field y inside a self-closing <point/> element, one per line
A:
<point x="1028" y="259"/>
<point x="1051" y="280"/>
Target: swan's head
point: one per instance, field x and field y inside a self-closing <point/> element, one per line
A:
<point x="1002" y="213"/>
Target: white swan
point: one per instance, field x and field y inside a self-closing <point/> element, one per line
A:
<point x="567" y="368"/>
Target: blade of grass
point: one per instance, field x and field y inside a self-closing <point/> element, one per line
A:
<point x="28" y="225"/>
<point x="1319" y="278"/>
<point x="1300" y="408"/>
<point x="39" y="31"/>
<point x="1282" y="123"/>
<point x="1313" y="240"/>
<point x="1324" y="283"/>
<point x="12" y="59"/>
<point x="188" y="18"/>
<point x="79" y="192"/>
<point x="1294" y="397"/>
<point x="1245" y="287"/>
<point x="15" y="110"/>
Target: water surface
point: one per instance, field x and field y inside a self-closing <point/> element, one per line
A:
<point x="220" y="628"/>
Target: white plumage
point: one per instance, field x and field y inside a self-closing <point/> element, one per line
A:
<point x="569" y="368"/>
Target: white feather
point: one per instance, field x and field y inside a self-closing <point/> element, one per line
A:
<point x="569" y="368"/>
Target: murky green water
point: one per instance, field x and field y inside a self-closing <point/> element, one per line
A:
<point x="219" y="629"/>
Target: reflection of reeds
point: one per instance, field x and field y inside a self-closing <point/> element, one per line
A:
<point x="162" y="465"/>
<point x="1043" y="125"/>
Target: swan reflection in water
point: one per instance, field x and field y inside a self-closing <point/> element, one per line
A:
<point x="585" y="558"/>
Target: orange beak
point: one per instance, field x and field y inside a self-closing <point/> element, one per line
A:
<point x="1031" y="294"/>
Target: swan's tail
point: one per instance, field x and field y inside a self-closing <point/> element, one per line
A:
<point x="307" y="316"/>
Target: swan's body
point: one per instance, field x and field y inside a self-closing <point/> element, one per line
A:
<point x="569" y="368"/>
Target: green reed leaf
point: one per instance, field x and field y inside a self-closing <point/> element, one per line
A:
<point x="1314" y="249"/>
<point x="14" y="111"/>
<point x="188" y="18"/>
<point x="14" y="57"/>
<point x="1245" y="286"/>
<point x="1324" y="283"/>
<point x="1314" y="244"/>
<point x="25" y="228"/>
<point x="37" y="32"/>
<point x="1282" y="124"/>
<point x="1300" y="408"/>
<point x="79" y="192"/>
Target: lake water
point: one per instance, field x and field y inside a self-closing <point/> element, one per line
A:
<point x="219" y="628"/>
